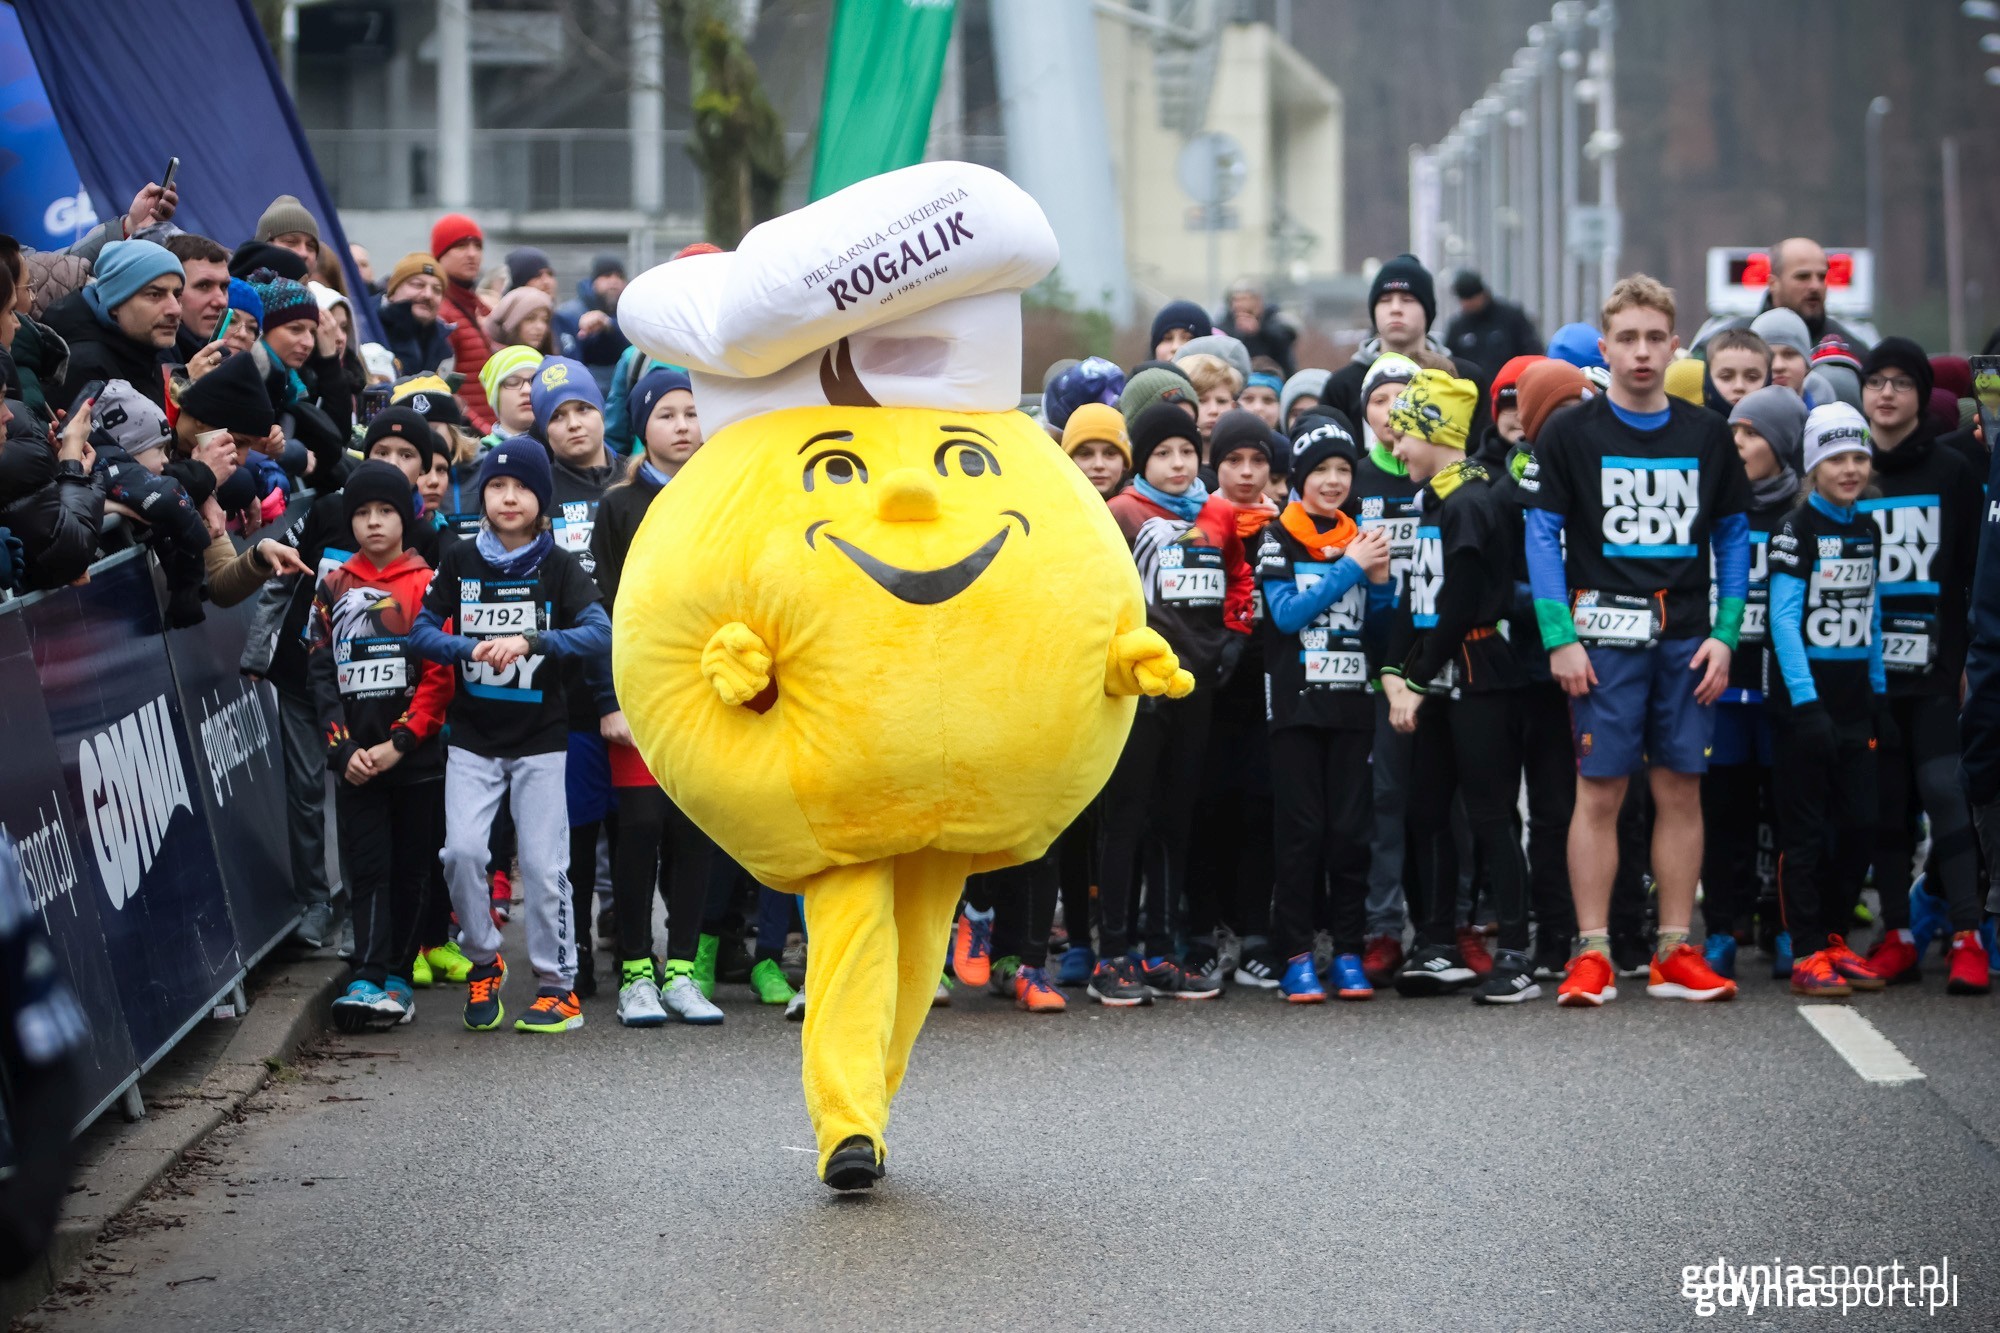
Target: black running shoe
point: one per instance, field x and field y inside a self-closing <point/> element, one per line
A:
<point x="1552" y="955"/>
<point x="1115" y="983"/>
<point x="1258" y="971"/>
<point x="586" y="973"/>
<point x="1170" y="981"/>
<point x="1631" y="956"/>
<point x="1433" y="970"/>
<point x="1511" y="981"/>
<point x="853" y="1166"/>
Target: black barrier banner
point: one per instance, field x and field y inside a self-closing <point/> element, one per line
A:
<point x="37" y="811"/>
<point x="240" y="773"/>
<point x="100" y="653"/>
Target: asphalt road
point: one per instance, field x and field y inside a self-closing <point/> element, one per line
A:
<point x="1238" y="1164"/>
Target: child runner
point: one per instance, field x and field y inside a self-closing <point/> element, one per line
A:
<point x="1197" y="589"/>
<point x="1451" y="656"/>
<point x="1094" y="438"/>
<point x="1646" y="486"/>
<point x="381" y="708"/>
<point x="509" y="380"/>
<point x="1261" y="394"/>
<point x="501" y="607"/>
<point x="1827" y="689"/>
<point x="652" y="832"/>
<point x="1216" y="385"/>
<point x="1311" y="565"/>
<point x="1736" y="793"/>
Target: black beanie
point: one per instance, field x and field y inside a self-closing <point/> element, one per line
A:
<point x="1155" y="426"/>
<point x="405" y="424"/>
<point x="377" y="480"/>
<point x="1404" y="273"/>
<point x="1239" y="429"/>
<point x="1180" y="315"/>
<point x="1904" y="355"/>
<point x="253" y="255"/>
<point x="1323" y="433"/>
<point x="231" y="397"/>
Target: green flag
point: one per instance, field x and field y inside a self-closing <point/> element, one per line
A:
<point x="883" y="64"/>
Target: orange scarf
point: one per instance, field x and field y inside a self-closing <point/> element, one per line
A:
<point x="1252" y="519"/>
<point x="1305" y="531"/>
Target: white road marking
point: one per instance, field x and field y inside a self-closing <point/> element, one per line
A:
<point x="1861" y="1044"/>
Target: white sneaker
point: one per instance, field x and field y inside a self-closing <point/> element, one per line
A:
<point x="685" y="1001"/>
<point x="796" y="1010"/>
<point x="639" y="1004"/>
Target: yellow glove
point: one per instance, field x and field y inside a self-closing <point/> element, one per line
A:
<point x="1142" y="663"/>
<point x="737" y="663"/>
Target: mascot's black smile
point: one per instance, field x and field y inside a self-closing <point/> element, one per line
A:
<point x="922" y="587"/>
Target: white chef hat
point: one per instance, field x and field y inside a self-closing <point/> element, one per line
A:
<point x="900" y="291"/>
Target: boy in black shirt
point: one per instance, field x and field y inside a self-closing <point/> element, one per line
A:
<point x="501" y="607"/>
<point x="1463" y="687"/>
<point x="1646" y="485"/>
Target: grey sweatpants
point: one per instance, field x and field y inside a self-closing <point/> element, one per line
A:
<point x="1390" y="766"/>
<point x="473" y="786"/>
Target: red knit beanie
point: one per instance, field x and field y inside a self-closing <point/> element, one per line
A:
<point x="452" y="228"/>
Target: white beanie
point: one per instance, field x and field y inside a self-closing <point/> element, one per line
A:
<point x="1834" y="428"/>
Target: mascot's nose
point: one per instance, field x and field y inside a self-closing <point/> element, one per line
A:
<point x="906" y="496"/>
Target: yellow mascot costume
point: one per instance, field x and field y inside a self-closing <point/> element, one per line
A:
<point x="879" y="633"/>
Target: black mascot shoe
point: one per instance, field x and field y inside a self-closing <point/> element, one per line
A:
<point x="853" y="1166"/>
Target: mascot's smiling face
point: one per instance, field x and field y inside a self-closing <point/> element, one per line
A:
<point x="905" y="508"/>
<point x="939" y="591"/>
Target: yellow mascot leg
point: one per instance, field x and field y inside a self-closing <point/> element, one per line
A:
<point x="928" y="885"/>
<point x="851" y="987"/>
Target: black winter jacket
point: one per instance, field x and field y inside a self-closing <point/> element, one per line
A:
<point x="56" y="509"/>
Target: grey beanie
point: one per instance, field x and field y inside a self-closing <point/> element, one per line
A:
<point x="1783" y="328"/>
<point x="1311" y="381"/>
<point x="1230" y="350"/>
<point x="286" y="215"/>
<point x="1779" y="415"/>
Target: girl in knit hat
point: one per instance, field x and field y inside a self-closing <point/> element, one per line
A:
<point x="1312" y="564"/>
<point x="508" y="378"/>
<point x="1094" y="438"/>
<point x="525" y="316"/>
<point x="1197" y="589"/>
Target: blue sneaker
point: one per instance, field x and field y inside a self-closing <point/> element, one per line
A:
<point x="364" y="1005"/>
<point x="1075" y="966"/>
<point x="403" y="996"/>
<point x="1781" y="957"/>
<point x="1719" y="952"/>
<point x="1989" y="935"/>
<point x="1930" y="919"/>
<point x="1350" y="982"/>
<point x="1301" y="983"/>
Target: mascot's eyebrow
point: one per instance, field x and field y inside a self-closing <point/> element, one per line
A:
<point x="966" y="430"/>
<point x="846" y="436"/>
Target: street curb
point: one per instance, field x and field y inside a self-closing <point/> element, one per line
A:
<point x="290" y="1009"/>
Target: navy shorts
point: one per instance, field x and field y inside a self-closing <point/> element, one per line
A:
<point x="587" y="779"/>
<point x="1642" y="711"/>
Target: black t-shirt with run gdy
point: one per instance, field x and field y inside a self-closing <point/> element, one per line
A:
<point x="1385" y="499"/>
<point x="1837" y="562"/>
<point x="519" y="710"/>
<point x="1638" y="506"/>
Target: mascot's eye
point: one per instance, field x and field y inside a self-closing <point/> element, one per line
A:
<point x="972" y="460"/>
<point x="835" y="465"/>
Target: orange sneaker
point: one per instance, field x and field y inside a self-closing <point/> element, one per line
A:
<point x="1969" y="975"/>
<point x="1588" y="982"/>
<point x="1686" y="975"/>
<point x="552" y="1011"/>
<point x="1817" y="977"/>
<point x="1895" y="959"/>
<point x="1852" y="967"/>
<point x="972" y="948"/>
<point x="1034" y="992"/>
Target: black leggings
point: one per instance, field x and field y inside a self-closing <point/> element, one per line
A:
<point x="1076" y="871"/>
<point x="1150" y="800"/>
<point x="1470" y="745"/>
<point x="1549" y="757"/>
<point x="1736" y="819"/>
<point x="1322" y="816"/>
<point x="1230" y="852"/>
<point x="1920" y="761"/>
<point x="583" y="878"/>
<point x="1826" y="823"/>
<point x="1023" y="900"/>
<point x="389" y="840"/>
<point x="652" y="834"/>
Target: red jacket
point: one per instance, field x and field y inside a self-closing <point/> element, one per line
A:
<point x="367" y="683"/>
<point x="470" y="348"/>
<point x="1198" y="585"/>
